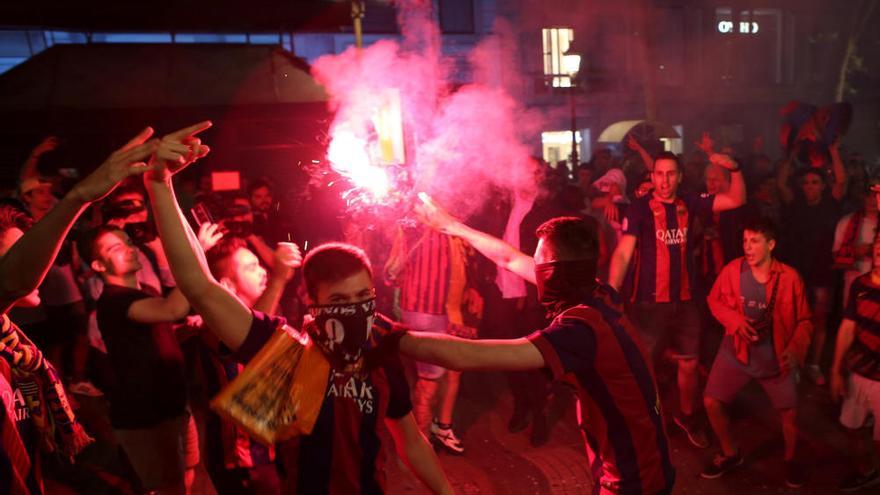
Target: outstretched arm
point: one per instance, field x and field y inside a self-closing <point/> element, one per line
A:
<point x="634" y="145"/>
<point x="25" y="264"/>
<point x="500" y="252"/>
<point x="223" y="313"/>
<point x="463" y="354"/>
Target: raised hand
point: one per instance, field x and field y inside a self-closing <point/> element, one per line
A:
<point x="209" y="235"/>
<point x="434" y="216"/>
<point x="177" y="150"/>
<point x="633" y="143"/>
<point x="287" y="259"/>
<point x="124" y="162"/>
<point x="46" y="145"/>
<point x="705" y="144"/>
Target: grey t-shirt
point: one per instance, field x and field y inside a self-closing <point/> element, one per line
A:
<point x="753" y="295"/>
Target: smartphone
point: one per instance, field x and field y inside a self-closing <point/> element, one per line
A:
<point x="201" y="214"/>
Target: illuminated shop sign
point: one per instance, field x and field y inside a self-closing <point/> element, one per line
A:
<point x="745" y="27"/>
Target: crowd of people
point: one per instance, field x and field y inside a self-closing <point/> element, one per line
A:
<point x="724" y="267"/>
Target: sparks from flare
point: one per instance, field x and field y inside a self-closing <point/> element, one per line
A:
<point x="349" y="155"/>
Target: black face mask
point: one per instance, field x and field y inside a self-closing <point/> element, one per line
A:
<point x="342" y="329"/>
<point x="563" y="284"/>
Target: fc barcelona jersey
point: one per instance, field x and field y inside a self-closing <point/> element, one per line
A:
<point x="664" y="264"/>
<point x="594" y="349"/>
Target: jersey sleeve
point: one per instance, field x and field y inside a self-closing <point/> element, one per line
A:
<point x="634" y="217"/>
<point x="567" y="345"/>
<point x="399" y="400"/>
<point x="262" y="328"/>
<point x="115" y="301"/>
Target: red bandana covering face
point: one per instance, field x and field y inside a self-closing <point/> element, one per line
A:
<point x="664" y="244"/>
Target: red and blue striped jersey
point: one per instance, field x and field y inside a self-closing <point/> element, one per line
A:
<point x="346" y="451"/>
<point x="864" y="309"/>
<point x="425" y="284"/>
<point x="664" y="268"/>
<point x="594" y="349"/>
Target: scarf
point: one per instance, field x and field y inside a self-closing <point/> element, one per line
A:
<point x="43" y="393"/>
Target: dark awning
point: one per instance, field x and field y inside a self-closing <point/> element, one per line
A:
<point x="178" y="15"/>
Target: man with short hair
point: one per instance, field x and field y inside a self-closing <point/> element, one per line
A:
<point x="148" y="403"/>
<point x="763" y="307"/>
<point x="590" y="346"/>
<point x="24" y="374"/>
<point x="858" y="352"/>
<point x="236" y="463"/>
<point x="366" y="391"/>
<point x="659" y="225"/>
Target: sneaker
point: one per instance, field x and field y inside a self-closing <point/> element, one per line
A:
<point x="857" y="481"/>
<point x="721" y="465"/>
<point x="814" y="373"/>
<point x="86" y="388"/>
<point x="443" y="436"/>
<point x="696" y="434"/>
<point x="795" y="474"/>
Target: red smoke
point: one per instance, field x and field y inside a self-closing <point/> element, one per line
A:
<point x="459" y="143"/>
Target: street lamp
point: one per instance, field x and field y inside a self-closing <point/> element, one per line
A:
<point x="571" y="64"/>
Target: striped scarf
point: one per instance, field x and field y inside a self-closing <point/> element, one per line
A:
<point x="43" y="393"/>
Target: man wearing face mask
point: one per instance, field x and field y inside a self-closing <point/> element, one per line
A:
<point x="366" y="392"/>
<point x="590" y="346"/>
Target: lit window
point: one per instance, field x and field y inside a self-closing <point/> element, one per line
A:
<point x="556" y="42"/>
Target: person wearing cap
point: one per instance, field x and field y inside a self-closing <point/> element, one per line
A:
<point x="36" y="194"/>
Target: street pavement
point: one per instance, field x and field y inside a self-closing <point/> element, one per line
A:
<point x="498" y="462"/>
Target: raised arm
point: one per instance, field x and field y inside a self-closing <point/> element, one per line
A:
<point x="25" y="264"/>
<point x="634" y="145"/>
<point x="736" y="196"/>
<point x="838" y="190"/>
<point x="30" y="167"/>
<point x="500" y="252"/>
<point x="223" y="313"/>
<point x="782" y="178"/>
<point x="287" y="259"/>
